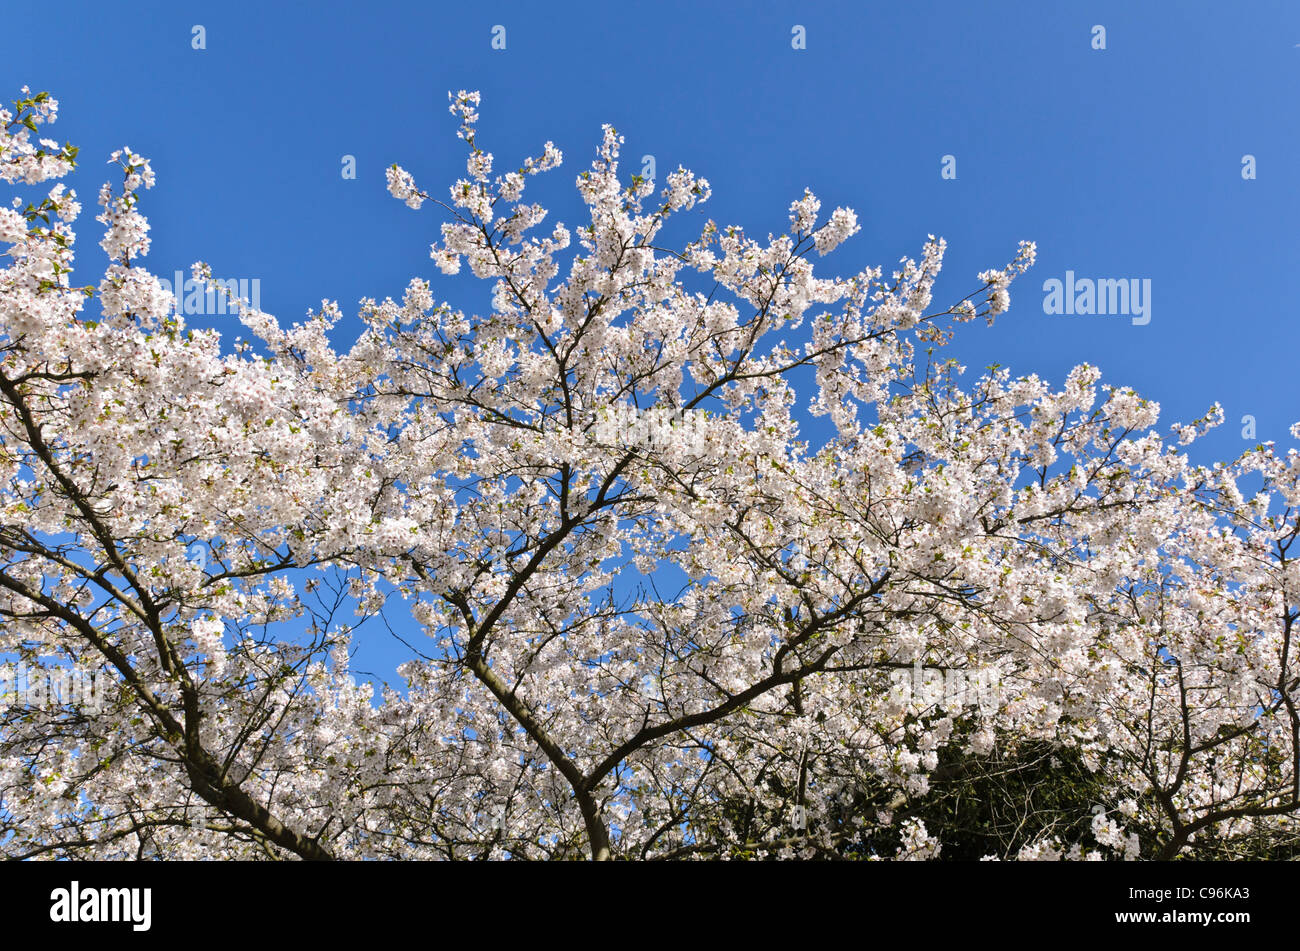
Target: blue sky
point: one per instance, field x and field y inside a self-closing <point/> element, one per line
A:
<point x="1120" y="163"/>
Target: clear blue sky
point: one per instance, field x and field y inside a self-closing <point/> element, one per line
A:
<point x="1121" y="163"/>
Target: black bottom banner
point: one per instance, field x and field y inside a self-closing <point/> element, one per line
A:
<point x="257" y="901"/>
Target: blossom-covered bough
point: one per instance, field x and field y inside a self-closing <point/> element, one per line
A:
<point x="647" y="616"/>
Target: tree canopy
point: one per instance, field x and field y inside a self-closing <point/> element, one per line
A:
<point x="648" y="615"/>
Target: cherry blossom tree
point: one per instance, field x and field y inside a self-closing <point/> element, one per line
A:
<point x="652" y="609"/>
